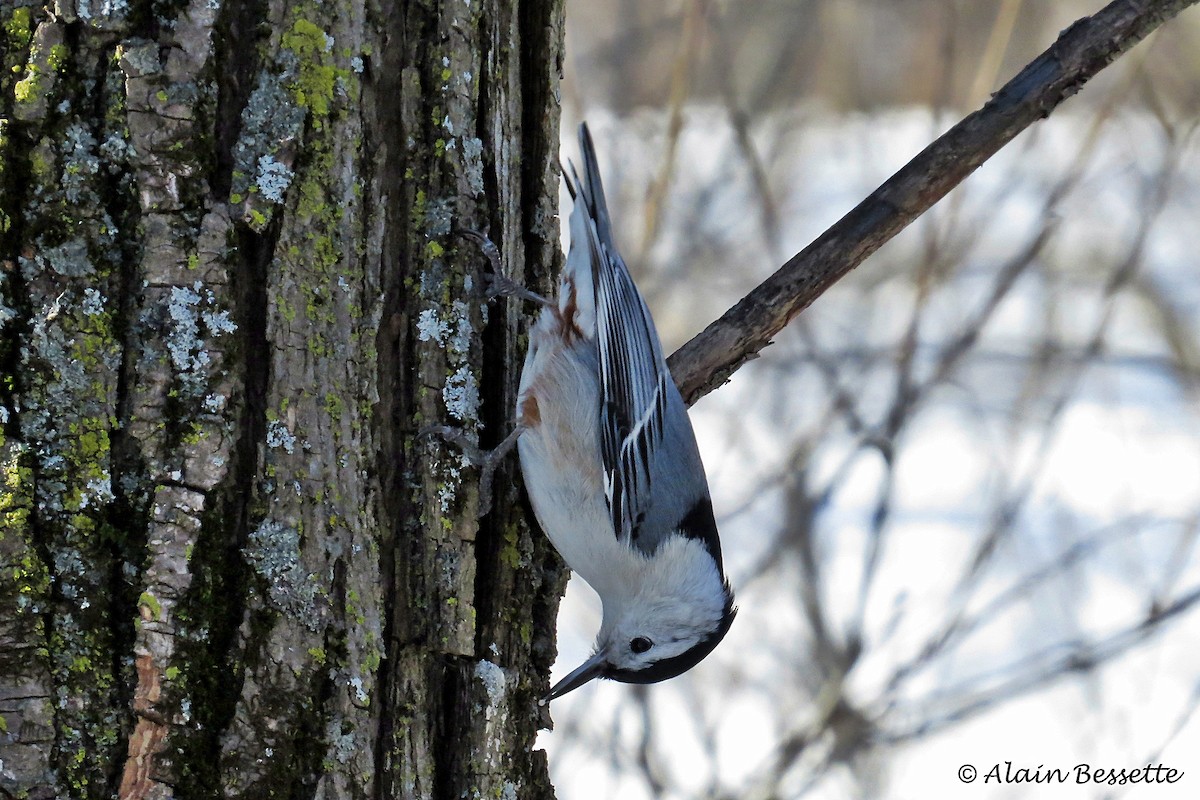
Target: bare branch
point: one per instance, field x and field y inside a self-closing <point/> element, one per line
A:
<point x="1081" y="51"/>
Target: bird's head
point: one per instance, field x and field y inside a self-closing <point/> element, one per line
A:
<point x="677" y="610"/>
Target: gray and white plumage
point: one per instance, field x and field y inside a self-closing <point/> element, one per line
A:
<point x="611" y="464"/>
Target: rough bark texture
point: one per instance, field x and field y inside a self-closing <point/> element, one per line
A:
<point x="1082" y="50"/>
<point x="231" y="297"/>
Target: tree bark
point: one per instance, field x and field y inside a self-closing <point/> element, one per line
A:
<point x="231" y="298"/>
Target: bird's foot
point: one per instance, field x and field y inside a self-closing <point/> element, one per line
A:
<point x="488" y="461"/>
<point x="499" y="284"/>
<point x="504" y="286"/>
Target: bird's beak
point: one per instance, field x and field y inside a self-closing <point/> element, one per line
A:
<point x="592" y="668"/>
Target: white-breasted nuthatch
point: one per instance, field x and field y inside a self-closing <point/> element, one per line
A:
<point x="611" y="464"/>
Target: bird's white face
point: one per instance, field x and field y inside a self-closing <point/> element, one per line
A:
<point x="649" y="631"/>
<point x="673" y="610"/>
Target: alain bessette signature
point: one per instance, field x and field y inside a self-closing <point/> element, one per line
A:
<point x="1082" y="774"/>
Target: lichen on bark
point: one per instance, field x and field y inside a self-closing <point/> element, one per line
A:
<point x="228" y="564"/>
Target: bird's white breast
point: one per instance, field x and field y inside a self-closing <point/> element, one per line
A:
<point x="560" y="459"/>
<point x="560" y="452"/>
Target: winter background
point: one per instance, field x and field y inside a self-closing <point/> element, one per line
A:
<point x="959" y="496"/>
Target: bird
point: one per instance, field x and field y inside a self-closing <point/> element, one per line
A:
<point x="610" y="461"/>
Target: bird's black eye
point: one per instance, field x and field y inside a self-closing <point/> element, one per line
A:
<point x="640" y="644"/>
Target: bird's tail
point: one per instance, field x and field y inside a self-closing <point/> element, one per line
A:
<point x="591" y="189"/>
<point x="590" y="227"/>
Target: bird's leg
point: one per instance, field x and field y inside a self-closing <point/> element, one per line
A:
<point x="499" y="283"/>
<point x="488" y="461"/>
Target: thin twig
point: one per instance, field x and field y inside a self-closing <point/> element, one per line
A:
<point x="1081" y="51"/>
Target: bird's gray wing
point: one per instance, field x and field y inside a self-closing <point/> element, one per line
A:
<point x="634" y="379"/>
<point x="633" y="383"/>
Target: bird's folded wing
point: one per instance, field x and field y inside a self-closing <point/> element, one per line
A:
<point x="633" y="374"/>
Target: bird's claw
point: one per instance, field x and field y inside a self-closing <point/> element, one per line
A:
<point x="499" y="284"/>
<point x="488" y="461"/>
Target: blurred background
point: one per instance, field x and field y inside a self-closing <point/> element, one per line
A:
<point x="960" y="495"/>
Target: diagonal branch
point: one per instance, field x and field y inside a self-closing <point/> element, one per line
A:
<point x="1081" y="51"/>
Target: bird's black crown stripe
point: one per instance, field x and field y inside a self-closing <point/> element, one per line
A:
<point x="699" y="523"/>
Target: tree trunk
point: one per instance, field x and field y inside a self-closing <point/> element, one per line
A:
<point x="232" y="296"/>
